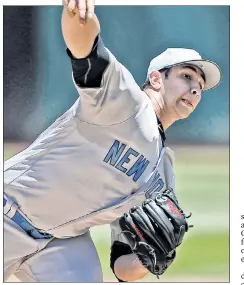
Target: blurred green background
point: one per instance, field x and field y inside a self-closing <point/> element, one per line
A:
<point x="38" y="88"/>
<point x="202" y="183"/>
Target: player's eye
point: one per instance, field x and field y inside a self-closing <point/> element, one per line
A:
<point x="187" y="76"/>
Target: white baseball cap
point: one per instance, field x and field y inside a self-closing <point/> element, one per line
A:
<point x="176" y="56"/>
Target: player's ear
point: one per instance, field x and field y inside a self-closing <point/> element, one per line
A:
<point x="155" y="79"/>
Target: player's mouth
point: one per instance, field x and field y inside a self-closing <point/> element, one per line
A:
<point x="186" y="102"/>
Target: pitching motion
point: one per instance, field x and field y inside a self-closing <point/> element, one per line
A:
<point x="104" y="161"/>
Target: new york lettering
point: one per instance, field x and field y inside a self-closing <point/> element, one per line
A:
<point x="119" y="156"/>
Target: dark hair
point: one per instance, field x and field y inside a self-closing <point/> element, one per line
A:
<point x="166" y="72"/>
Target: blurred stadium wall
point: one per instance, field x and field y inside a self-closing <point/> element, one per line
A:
<point x="37" y="73"/>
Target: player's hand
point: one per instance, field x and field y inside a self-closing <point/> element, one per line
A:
<point x="85" y="8"/>
<point x="155" y="229"/>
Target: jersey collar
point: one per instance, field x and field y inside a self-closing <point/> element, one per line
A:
<point x="161" y="131"/>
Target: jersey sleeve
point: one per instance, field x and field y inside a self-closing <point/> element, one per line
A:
<point x="108" y="92"/>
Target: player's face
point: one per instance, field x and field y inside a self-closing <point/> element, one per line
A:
<point x="182" y="90"/>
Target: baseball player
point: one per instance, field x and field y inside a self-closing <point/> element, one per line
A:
<point x="104" y="161"/>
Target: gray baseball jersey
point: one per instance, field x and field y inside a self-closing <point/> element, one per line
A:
<point x="101" y="157"/>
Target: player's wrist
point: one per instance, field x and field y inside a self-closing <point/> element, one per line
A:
<point x="129" y="268"/>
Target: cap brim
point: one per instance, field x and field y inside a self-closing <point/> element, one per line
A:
<point x="211" y="71"/>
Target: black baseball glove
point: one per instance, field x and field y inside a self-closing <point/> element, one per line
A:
<point x="155" y="229"/>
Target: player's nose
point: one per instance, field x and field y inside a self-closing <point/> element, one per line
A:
<point x="196" y="91"/>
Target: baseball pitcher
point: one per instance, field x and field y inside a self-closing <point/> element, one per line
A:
<point x="104" y="161"/>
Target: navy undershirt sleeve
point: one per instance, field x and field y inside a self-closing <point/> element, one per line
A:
<point x="88" y="71"/>
<point x="118" y="249"/>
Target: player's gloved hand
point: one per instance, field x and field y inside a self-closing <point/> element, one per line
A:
<point x="155" y="229"/>
<point x="85" y="8"/>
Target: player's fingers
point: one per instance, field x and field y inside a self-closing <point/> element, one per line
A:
<point x="71" y="5"/>
<point x="90" y="8"/>
<point x="82" y="11"/>
<point x="65" y="4"/>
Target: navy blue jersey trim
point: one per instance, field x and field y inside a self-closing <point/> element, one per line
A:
<point x="88" y="71"/>
<point x="161" y="131"/>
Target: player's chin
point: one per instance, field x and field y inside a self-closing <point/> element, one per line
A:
<point x="183" y="113"/>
